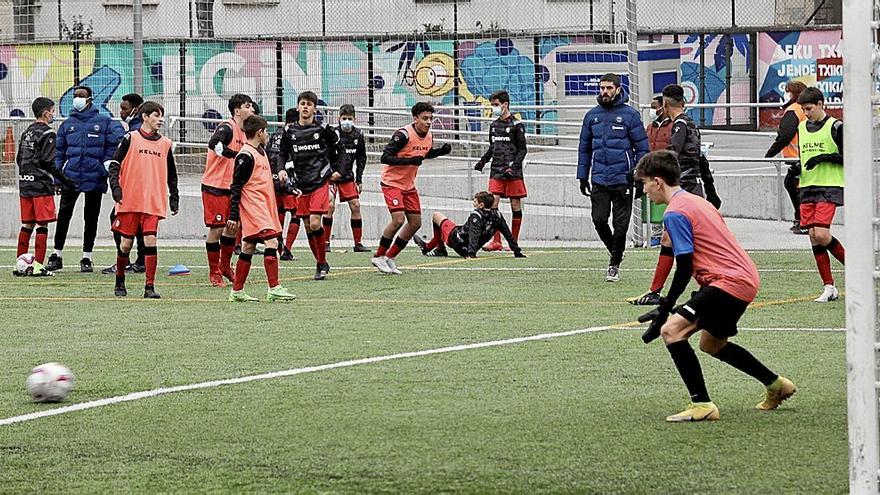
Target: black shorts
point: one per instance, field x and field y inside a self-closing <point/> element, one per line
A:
<point x="713" y="310"/>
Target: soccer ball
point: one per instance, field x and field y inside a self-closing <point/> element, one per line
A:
<point x="50" y="382"/>
<point x="24" y="265"/>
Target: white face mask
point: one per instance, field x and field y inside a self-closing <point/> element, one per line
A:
<point x="497" y="111"/>
<point x="788" y="96"/>
<point x="346" y="124"/>
<point x="80" y="103"/>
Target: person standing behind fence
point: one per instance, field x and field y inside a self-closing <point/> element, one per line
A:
<point x="787" y="142"/>
<point x="612" y="141"/>
<point x="820" y="139"/>
<point x="85" y="144"/>
<point x="224" y="145"/>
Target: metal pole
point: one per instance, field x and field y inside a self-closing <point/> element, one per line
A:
<point x="780" y="191"/>
<point x="323" y="17"/>
<point x="137" y="13"/>
<point x="60" y="37"/>
<point x="632" y="47"/>
<point x="861" y="376"/>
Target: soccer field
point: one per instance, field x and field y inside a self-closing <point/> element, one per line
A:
<point x="579" y="410"/>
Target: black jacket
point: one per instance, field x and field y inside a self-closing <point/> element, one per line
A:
<point x="467" y="239"/>
<point x="685" y="140"/>
<point x="273" y="150"/>
<point x="36" y="162"/>
<point x="307" y="152"/>
<point x="507" y="149"/>
<point x="351" y="155"/>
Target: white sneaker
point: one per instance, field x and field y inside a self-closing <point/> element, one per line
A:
<point x="393" y="266"/>
<point x="613" y="274"/>
<point x="381" y="263"/>
<point x="829" y="294"/>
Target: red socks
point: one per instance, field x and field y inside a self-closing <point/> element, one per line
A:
<point x="121" y="263"/>
<point x="227" y="246"/>
<point x="516" y="224"/>
<point x="270" y="263"/>
<point x="384" y="244"/>
<point x="292" y="231"/>
<point x="213" y="251"/>
<point x="437" y="240"/>
<point x="40" y="244"/>
<point x="316" y="244"/>
<point x="150" y="261"/>
<point x="823" y="263"/>
<point x="399" y="245"/>
<point x="834" y="247"/>
<point x="357" y="229"/>
<point x="242" y="268"/>
<point x="664" y="266"/>
<point x="327" y="224"/>
<point x="24" y="240"/>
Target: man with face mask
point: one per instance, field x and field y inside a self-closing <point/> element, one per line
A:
<point x="349" y="162"/>
<point x="612" y="141"/>
<point x="84" y="147"/>
<point x="660" y="129"/>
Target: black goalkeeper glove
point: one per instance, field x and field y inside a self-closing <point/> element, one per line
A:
<point x="657" y="317"/>
<point x="479" y="166"/>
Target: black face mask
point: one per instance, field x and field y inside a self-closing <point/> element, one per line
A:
<point x="607" y="102"/>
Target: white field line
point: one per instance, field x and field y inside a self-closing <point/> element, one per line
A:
<point x="289" y="372"/>
<point x="481" y="269"/>
<point x="324" y="367"/>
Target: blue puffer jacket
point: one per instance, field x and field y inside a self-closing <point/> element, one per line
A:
<point x="612" y="142"/>
<point x="85" y="141"/>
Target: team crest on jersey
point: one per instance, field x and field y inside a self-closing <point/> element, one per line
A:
<point x="97" y="128"/>
<point x="355" y="142"/>
<point x="619" y="119"/>
<point x="316" y="136"/>
<point x="507" y="130"/>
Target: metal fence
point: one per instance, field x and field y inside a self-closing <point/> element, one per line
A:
<point x="61" y="20"/>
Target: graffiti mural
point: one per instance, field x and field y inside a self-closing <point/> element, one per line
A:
<point x="812" y="57"/>
<point x="715" y="68"/>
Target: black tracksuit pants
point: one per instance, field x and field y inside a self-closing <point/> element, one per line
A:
<point x="614" y="201"/>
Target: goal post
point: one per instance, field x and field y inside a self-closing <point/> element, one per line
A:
<point x="859" y="35"/>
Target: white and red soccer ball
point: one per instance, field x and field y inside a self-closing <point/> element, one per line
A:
<point x="24" y="265"/>
<point x="50" y="382"/>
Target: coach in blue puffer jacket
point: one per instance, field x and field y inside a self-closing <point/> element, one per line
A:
<point x="85" y="141"/>
<point x="612" y="141"/>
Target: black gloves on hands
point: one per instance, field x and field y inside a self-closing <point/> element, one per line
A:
<point x="117" y="194"/>
<point x="586" y="189"/>
<point x="479" y="166"/>
<point x="826" y="157"/>
<point x="443" y="150"/>
<point x="657" y="317"/>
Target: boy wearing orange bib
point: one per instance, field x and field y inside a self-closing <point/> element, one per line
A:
<point x="224" y="145"/>
<point x="402" y="157"/>
<point x="142" y="168"/>
<point x="254" y="212"/>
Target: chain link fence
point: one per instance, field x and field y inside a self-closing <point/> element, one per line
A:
<point x="60" y="20"/>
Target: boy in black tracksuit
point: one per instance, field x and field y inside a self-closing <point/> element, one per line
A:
<point x="507" y="150"/>
<point x="36" y="176"/>
<point x="307" y="152"/>
<point x="348" y="173"/>
<point x="467" y="239"/>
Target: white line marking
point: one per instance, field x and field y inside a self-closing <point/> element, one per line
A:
<point x="485" y="269"/>
<point x="341" y="364"/>
<point x="290" y="372"/>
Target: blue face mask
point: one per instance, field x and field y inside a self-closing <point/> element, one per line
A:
<point x="346" y="124"/>
<point x="497" y="111"/>
<point x="80" y="103"/>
